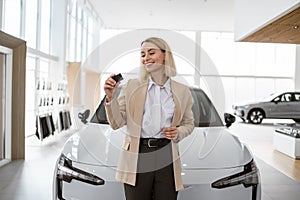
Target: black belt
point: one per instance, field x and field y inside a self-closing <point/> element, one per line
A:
<point x="154" y="142"/>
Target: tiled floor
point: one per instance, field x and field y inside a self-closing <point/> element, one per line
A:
<point x="32" y="179"/>
<point x="260" y="139"/>
<point x="279" y="173"/>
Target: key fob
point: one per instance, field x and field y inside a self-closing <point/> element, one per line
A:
<point x="117" y="77"/>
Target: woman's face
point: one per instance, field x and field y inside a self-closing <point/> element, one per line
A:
<point x="152" y="57"/>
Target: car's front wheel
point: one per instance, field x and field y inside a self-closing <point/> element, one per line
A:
<point x="256" y="116"/>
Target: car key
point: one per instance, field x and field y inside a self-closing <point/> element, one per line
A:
<point x="117" y="77"/>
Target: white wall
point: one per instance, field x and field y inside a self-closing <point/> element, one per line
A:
<point x="252" y="15"/>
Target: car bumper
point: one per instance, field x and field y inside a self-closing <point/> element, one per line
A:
<point x="240" y="112"/>
<point x="199" y="186"/>
<point x="114" y="190"/>
<point x="205" y="192"/>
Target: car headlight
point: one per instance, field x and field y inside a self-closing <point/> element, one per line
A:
<point x="248" y="177"/>
<point x="66" y="172"/>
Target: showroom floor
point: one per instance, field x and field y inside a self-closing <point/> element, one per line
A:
<point x="280" y="174"/>
<point x="32" y="179"/>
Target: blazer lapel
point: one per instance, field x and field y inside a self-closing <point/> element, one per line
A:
<point x="177" y="110"/>
<point x="137" y="102"/>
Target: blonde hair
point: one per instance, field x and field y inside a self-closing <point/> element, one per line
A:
<point x="170" y="67"/>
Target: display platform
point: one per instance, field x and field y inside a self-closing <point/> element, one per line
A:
<point x="287" y="141"/>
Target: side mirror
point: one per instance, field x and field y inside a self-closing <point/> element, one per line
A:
<point x="83" y="116"/>
<point x="229" y="119"/>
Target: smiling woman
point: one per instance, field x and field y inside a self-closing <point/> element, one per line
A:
<point x="157" y="113"/>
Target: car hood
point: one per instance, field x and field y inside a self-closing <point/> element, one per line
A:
<point x="213" y="148"/>
<point x="251" y="103"/>
<point x="205" y="148"/>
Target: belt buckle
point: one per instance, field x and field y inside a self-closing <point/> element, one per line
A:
<point x="149" y="143"/>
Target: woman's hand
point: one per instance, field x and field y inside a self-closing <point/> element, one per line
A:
<point x="110" y="88"/>
<point x="170" y="133"/>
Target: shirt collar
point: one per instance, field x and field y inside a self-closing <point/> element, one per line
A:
<point x="166" y="86"/>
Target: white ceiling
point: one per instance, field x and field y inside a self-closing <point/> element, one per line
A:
<point x="205" y="15"/>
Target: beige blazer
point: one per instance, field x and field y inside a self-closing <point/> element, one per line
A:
<point x="128" y="110"/>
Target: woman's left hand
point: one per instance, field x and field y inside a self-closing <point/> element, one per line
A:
<point x="170" y="133"/>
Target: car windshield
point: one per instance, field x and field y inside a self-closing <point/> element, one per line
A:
<point x="205" y="114"/>
<point x="270" y="97"/>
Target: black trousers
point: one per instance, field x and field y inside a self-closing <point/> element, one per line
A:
<point x="155" y="177"/>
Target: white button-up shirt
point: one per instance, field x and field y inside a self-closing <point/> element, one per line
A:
<point x="158" y="110"/>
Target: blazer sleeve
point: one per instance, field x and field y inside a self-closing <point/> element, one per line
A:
<point x="187" y="122"/>
<point x="116" y="110"/>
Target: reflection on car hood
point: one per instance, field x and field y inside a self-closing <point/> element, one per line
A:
<point x="207" y="148"/>
<point x="213" y="147"/>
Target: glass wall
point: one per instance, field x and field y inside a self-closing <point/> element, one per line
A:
<point x="247" y="71"/>
<point x="5" y="105"/>
<point x="34" y="21"/>
<point x="45" y="26"/>
<point x="31" y="20"/>
<point x="12" y="17"/>
<point x="83" y="32"/>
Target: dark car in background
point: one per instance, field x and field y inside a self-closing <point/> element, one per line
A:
<point x="277" y="106"/>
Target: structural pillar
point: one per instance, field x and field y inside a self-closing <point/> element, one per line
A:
<point x="297" y="69"/>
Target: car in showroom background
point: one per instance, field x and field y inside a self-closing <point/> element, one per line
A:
<point x="276" y="106"/>
<point x="215" y="164"/>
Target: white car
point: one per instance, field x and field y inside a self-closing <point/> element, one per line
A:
<point x="215" y="164"/>
<point x="277" y="106"/>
